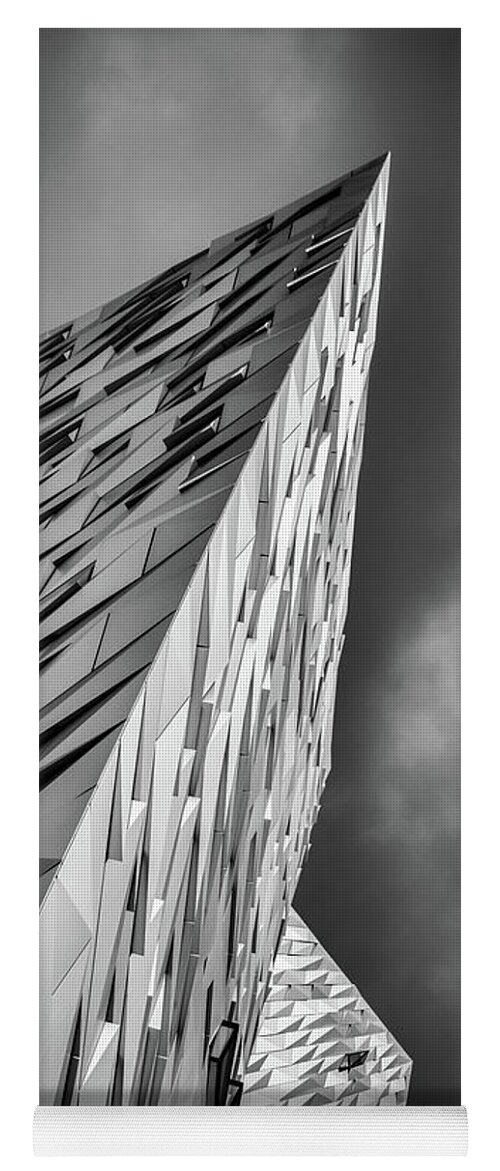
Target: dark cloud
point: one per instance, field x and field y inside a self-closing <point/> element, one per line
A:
<point x="154" y="141"/>
<point x="386" y="845"/>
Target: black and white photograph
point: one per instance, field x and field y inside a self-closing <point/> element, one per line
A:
<point x="249" y="551"/>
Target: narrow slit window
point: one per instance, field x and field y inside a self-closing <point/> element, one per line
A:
<point x="232" y="930"/>
<point x="301" y="278"/>
<point x="208" y="1018"/>
<point x="322" y="243"/>
<point x="255" y="232"/>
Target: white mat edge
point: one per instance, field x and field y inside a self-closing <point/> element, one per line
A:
<point x="205" y="1130"/>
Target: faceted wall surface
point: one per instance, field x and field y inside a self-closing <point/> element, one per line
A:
<point x="200" y="451"/>
<point x="319" y="1043"/>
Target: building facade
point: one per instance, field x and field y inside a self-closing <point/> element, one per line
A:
<point x="201" y="440"/>
<point x="319" y="1043"/>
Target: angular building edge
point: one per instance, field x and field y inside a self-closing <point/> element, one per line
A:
<point x="159" y="929"/>
<point x="319" y="1043"/>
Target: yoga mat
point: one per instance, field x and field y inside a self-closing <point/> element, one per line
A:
<point x="201" y="450"/>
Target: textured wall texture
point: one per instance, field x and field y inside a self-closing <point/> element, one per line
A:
<point x="201" y="444"/>
<point x="319" y="1043"/>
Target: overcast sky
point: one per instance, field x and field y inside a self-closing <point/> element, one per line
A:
<point x="152" y="143"/>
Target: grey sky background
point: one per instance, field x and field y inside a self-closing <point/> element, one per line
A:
<point x="152" y="143"/>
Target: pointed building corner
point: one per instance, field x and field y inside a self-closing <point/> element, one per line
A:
<point x="200" y="448"/>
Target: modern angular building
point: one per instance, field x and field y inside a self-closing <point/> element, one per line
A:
<point x="319" y="1043"/>
<point x="201" y="440"/>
